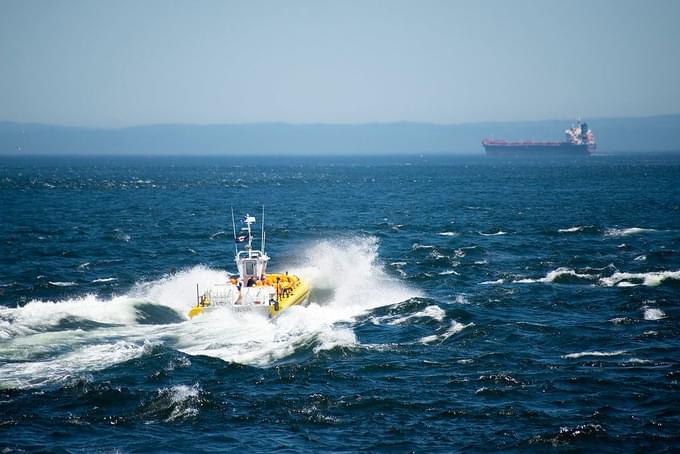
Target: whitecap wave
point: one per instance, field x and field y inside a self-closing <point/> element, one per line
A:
<point x="614" y="232"/>
<point x="63" y="284"/>
<point x="653" y="314"/>
<point x="496" y="282"/>
<point x="120" y="235"/>
<point x="448" y="234"/>
<point x="65" y="367"/>
<point x="461" y="299"/>
<point x="436" y="255"/>
<point x="181" y="399"/>
<point x="638" y="361"/>
<point x="454" y="328"/>
<point x="556" y="275"/>
<point x="433" y="312"/>
<point x="650" y="279"/>
<point x="104" y="280"/>
<point x="594" y="353"/>
<point x="577" y="228"/>
<point x="500" y="232"/>
<point x="620" y="320"/>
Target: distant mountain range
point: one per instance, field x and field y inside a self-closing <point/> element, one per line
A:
<point x="658" y="133"/>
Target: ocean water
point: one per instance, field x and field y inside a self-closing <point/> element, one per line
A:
<point x="459" y="304"/>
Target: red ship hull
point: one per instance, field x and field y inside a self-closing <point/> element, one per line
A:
<point x="498" y="147"/>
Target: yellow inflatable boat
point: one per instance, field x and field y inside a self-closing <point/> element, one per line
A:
<point x="253" y="290"/>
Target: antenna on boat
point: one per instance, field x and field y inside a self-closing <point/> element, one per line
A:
<point x="233" y="226"/>
<point x="263" y="229"/>
<point x="248" y="221"/>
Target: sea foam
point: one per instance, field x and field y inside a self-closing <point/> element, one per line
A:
<point x="555" y="276"/>
<point x="500" y="232"/>
<point x="433" y="312"/>
<point x="650" y="279"/>
<point x="454" y="328"/>
<point x="614" y="232"/>
<point x="652" y="314"/>
<point x="577" y="228"/>
<point x="594" y="353"/>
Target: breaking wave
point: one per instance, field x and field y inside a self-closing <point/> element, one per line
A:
<point x="104" y="279"/>
<point x="498" y="233"/>
<point x="564" y="275"/>
<point x="580" y="229"/>
<point x="652" y="314"/>
<point x="595" y="353"/>
<point x="62" y="284"/>
<point x="496" y="282"/>
<point x="650" y="279"/>
<point x="627" y="231"/>
<point x="177" y="402"/>
<point x="454" y="328"/>
<point x="577" y="228"/>
<point x="560" y="275"/>
<point x="433" y="312"/>
<point x="68" y="366"/>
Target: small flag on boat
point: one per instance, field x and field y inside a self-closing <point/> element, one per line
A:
<point x="242" y="238"/>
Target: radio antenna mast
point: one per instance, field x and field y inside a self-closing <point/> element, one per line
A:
<point x="263" y="229"/>
<point x="233" y="226"/>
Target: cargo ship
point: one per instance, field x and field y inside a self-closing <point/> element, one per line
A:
<point x="579" y="140"/>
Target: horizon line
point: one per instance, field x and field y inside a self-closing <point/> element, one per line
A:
<point x="348" y="124"/>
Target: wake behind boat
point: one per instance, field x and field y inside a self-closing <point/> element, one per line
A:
<point x="254" y="290"/>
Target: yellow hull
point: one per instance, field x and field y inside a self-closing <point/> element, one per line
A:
<point x="196" y="310"/>
<point x="299" y="294"/>
<point x="291" y="291"/>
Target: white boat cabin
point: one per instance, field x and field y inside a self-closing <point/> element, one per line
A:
<point x="251" y="265"/>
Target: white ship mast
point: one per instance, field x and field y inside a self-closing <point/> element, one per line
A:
<point x="251" y="263"/>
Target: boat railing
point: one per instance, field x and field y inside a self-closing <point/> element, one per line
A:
<point x="252" y="254"/>
<point x="223" y="294"/>
<point x="255" y="295"/>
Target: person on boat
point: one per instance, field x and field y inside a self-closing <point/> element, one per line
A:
<point x="251" y="282"/>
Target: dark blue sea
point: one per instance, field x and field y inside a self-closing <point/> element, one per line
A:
<point x="459" y="304"/>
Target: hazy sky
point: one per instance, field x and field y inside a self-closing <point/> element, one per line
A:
<point x="121" y="63"/>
